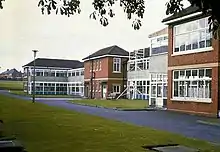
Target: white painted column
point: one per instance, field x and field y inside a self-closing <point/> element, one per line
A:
<point x="30" y="92"/>
<point x="43" y="88"/>
<point x="55" y="87"/>
<point x="67" y="88"/>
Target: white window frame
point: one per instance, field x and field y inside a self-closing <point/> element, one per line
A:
<point x="191" y="79"/>
<point x="188" y="32"/>
<point x="118" y="90"/>
<point x="117" y="61"/>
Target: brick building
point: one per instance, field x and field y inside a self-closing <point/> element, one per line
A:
<point x="105" y="72"/>
<point x="193" y="64"/>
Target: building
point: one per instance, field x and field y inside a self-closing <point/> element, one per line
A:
<point x="55" y="77"/>
<point x="158" y="63"/>
<point x="147" y="71"/>
<point x="105" y="72"/>
<point x="193" y="64"/>
<point x="138" y="84"/>
<point x="11" y="74"/>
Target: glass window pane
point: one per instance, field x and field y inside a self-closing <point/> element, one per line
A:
<point x="194" y="72"/>
<point x="201" y="89"/>
<point x="202" y="23"/>
<point x="208" y="89"/>
<point x="201" y="73"/>
<point x="208" y="38"/>
<point x="176" y="74"/>
<point x="194" y="39"/>
<point x="188" y="73"/>
<point x="209" y="73"/>
<point x="175" y="89"/>
<point x="202" y="39"/>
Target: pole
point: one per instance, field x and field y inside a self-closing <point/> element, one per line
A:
<point x="33" y="100"/>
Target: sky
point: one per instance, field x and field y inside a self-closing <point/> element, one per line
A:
<point x="23" y="28"/>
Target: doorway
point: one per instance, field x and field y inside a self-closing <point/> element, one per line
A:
<point x="104" y="90"/>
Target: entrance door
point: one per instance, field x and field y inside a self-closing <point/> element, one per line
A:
<point x="86" y="92"/>
<point x="159" y="99"/>
<point x="104" y="90"/>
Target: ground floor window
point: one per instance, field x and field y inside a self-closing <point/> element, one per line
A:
<point x="158" y="85"/>
<point x="116" y="88"/>
<point x="138" y="89"/>
<point x="52" y="88"/>
<point x="192" y="83"/>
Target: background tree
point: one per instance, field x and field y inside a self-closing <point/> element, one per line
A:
<point x="103" y="10"/>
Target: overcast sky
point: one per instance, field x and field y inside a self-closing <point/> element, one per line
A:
<point x="23" y="28"/>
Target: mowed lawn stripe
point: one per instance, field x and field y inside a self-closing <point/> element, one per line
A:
<point x="43" y="128"/>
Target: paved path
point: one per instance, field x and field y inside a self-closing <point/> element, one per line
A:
<point x="184" y="124"/>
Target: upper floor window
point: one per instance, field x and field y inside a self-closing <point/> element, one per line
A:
<point x="116" y="64"/>
<point x="192" y="36"/>
<point x="159" y="45"/>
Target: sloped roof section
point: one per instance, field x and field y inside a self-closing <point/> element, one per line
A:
<point x="58" y="63"/>
<point x="10" y="71"/>
<point x="187" y="11"/>
<point x="158" y="33"/>
<point x="112" y="50"/>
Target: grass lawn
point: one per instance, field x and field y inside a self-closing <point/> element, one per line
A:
<point x="20" y="92"/>
<point x="121" y="104"/>
<point x="11" y="85"/>
<point x="49" y="129"/>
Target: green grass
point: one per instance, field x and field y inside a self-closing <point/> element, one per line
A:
<point x="22" y="93"/>
<point x="49" y="129"/>
<point x="121" y="104"/>
<point x="11" y="85"/>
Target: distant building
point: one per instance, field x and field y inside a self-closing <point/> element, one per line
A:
<point x="105" y="72"/>
<point x="55" y="77"/>
<point x="11" y="74"/>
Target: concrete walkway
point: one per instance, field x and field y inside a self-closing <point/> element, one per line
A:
<point x="183" y="124"/>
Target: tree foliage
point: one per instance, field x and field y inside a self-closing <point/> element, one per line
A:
<point x="134" y="9"/>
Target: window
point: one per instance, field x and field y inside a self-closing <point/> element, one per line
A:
<point x="131" y="66"/>
<point x="38" y="73"/>
<point x="46" y="73"/>
<point x="73" y="74"/>
<point x="116" y="64"/>
<point x="100" y="65"/>
<point x="77" y="73"/>
<point x="193" y="35"/>
<point x="97" y="65"/>
<point x="116" y="89"/>
<point x="159" y="45"/>
<point x="191" y="84"/>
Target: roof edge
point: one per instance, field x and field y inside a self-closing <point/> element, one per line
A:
<point x="102" y="56"/>
<point x="168" y="22"/>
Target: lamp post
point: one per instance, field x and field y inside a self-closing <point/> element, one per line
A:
<point x="33" y="92"/>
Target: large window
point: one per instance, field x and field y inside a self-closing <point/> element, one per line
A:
<point x="116" y="64"/>
<point x="159" y="45"/>
<point x="191" y="84"/>
<point x="116" y="88"/>
<point x="193" y="35"/>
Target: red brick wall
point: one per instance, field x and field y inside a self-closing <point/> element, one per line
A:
<point x="98" y="74"/>
<point x="192" y="59"/>
<point x="106" y="69"/>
